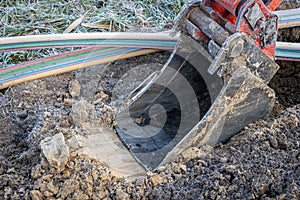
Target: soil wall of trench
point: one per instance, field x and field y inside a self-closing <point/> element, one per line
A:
<point x="262" y="161"/>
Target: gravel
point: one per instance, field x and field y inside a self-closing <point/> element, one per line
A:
<point x="261" y="162"/>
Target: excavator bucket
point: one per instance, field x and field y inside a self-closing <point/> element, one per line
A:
<point x="213" y="85"/>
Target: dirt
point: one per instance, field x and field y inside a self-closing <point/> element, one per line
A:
<point x="262" y="161"/>
<point x="34" y="111"/>
<point x="286" y="81"/>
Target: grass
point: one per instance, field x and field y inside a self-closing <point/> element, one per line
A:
<point x="24" y="18"/>
<point x="34" y="17"/>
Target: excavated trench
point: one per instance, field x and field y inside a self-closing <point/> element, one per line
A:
<point x="32" y="111"/>
<point x="29" y="114"/>
<point x="286" y="83"/>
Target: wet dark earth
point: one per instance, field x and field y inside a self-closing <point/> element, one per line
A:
<point x="261" y="162"/>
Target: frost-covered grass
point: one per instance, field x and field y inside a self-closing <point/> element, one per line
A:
<point x="27" y="17"/>
<point x="33" y="17"/>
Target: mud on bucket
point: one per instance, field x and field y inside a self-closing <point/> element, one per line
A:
<point x="168" y="106"/>
<point x="184" y="105"/>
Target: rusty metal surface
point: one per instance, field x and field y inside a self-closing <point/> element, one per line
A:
<point x="211" y="28"/>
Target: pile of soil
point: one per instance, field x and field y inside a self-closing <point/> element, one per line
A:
<point x="262" y="161"/>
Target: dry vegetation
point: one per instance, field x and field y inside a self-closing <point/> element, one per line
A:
<point x="34" y="17"/>
<point x="262" y="162"/>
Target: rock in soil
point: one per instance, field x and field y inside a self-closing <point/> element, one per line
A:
<point x="56" y="151"/>
<point x="261" y="162"/>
